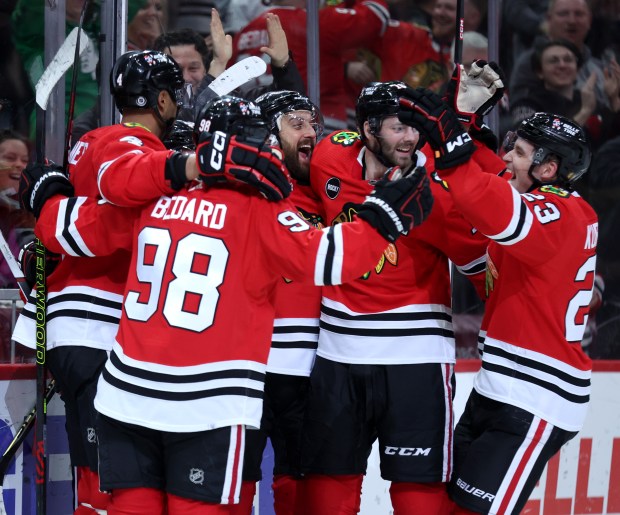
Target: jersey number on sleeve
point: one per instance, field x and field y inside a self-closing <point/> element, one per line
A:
<point x="154" y="251"/>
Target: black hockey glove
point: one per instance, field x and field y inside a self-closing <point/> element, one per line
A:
<point x="28" y="262"/>
<point x="224" y="158"/>
<point x="396" y="205"/>
<point x="39" y="182"/>
<point x="473" y="94"/>
<point x="426" y="111"/>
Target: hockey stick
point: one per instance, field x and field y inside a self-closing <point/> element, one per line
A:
<point x="76" y="58"/>
<point x="64" y="58"/>
<point x="238" y="74"/>
<point x="16" y="270"/>
<point x="458" y="37"/>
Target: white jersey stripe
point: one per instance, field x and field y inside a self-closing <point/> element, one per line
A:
<point x="66" y="231"/>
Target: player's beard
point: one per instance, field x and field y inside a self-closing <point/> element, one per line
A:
<point x="298" y="170"/>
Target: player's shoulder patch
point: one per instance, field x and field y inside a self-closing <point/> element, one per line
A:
<point x="555" y="190"/>
<point x="345" y="138"/>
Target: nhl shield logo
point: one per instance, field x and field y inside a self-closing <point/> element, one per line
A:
<point x="197" y="476"/>
<point x="332" y="187"/>
<point x="91" y="436"/>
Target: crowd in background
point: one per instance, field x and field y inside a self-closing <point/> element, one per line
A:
<point x="559" y="56"/>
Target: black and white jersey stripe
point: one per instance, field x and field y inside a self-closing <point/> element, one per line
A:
<point x="547" y="387"/>
<point x="181" y="399"/>
<point x="329" y="257"/>
<point x="476" y="266"/>
<point x="293" y="346"/>
<point x="420" y="333"/>
<point x="519" y="225"/>
<point x="67" y="233"/>
<point x="76" y="315"/>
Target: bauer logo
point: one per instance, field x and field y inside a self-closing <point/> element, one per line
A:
<point x="332" y="188"/>
<point x="197" y="476"/>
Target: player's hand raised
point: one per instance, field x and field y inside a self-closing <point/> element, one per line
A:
<point x="426" y="111"/>
<point x="224" y="158"/>
<point x="397" y="204"/>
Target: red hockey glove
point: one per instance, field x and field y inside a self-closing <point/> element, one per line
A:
<point x="473" y="94"/>
<point x="396" y="205"/>
<point x="39" y="182"/>
<point x="224" y="158"/>
<point x="426" y="111"/>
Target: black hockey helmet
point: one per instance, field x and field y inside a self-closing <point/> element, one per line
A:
<point x="376" y="101"/>
<point x="555" y="135"/>
<point x="232" y="115"/>
<point x="181" y="137"/>
<point x="137" y="77"/>
<point x="274" y="104"/>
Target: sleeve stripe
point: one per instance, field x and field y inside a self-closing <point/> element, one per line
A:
<point x="382" y="13"/>
<point x="66" y="231"/>
<point x="477" y="265"/>
<point x="329" y="259"/>
<point x="106" y="165"/>
<point x="520" y="224"/>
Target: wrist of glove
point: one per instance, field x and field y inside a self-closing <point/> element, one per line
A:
<point x="428" y="113"/>
<point x="28" y="262"/>
<point x="224" y="158"/>
<point x="39" y="182"/>
<point x="396" y="205"/>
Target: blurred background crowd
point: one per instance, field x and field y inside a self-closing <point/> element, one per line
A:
<point x="558" y="56"/>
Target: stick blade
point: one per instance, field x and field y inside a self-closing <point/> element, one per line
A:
<point x="60" y="64"/>
<point x="238" y="74"/>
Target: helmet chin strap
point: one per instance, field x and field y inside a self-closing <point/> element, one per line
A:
<point x="166" y="124"/>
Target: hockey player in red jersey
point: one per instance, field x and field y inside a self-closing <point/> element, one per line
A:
<point x="296" y="123"/>
<point x="85" y="295"/>
<point x="186" y="372"/>
<point x="386" y="333"/>
<point x="531" y="395"/>
<point x="340" y="29"/>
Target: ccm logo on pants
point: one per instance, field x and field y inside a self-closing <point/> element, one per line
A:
<point x="406" y="451"/>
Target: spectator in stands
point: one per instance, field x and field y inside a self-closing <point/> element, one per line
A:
<point x="147" y="21"/>
<point x="565" y="19"/>
<point x="366" y="22"/>
<point x="526" y="20"/>
<point x="556" y="63"/>
<point x="16" y="225"/>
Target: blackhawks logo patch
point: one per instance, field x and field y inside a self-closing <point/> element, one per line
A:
<point x="554" y="190"/>
<point x="345" y="138"/>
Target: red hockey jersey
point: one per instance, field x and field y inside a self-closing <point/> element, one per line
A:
<point x="85" y="295"/>
<point x="198" y="308"/>
<point x="540" y="277"/>
<point x="399" y="312"/>
<point x="409" y="53"/>
<point x="297" y="306"/>
<point x="340" y="29"/>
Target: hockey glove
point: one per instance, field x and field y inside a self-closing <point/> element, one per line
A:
<point x="473" y="94"/>
<point x="396" y="205"/>
<point x="28" y="262"/>
<point x="224" y="158"/>
<point x="39" y="182"/>
<point x="426" y="111"/>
